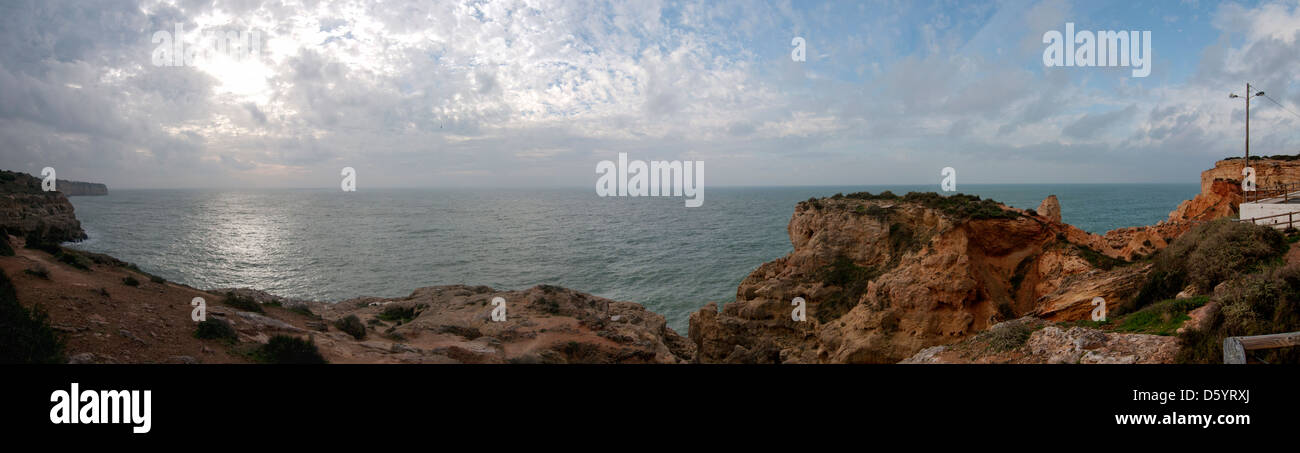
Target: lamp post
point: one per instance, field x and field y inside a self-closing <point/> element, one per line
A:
<point x="1247" y="97"/>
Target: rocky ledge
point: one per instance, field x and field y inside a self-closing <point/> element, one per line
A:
<point x="26" y="209"/>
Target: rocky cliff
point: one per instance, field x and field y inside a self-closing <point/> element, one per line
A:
<point x="885" y="276"/>
<point x="1221" y="186"/>
<point x="25" y="209"/>
<point x="78" y="188"/>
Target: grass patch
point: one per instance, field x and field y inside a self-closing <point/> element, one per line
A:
<point x="960" y="206"/>
<point x="352" y="325"/>
<point x="1160" y="318"/>
<point x="286" y="349"/>
<point x="242" y="303"/>
<point x="215" y="329"/>
<point x="25" y="335"/>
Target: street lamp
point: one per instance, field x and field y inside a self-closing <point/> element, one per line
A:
<point x="1247" y="97"/>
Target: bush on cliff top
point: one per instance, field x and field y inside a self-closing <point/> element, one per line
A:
<point x="25" y="335"/>
<point x="215" y="329"/>
<point x="1207" y="255"/>
<point x="960" y="206"/>
<point x="289" y="350"/>
<point x="242" y="303"/>
<point x="352" y="325"/>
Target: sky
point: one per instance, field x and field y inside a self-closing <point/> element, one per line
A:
<point x="536" y="93"/>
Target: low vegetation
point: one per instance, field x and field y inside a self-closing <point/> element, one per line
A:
<point x="352" y="325"/>
<point x="1008" y="335"/>
<point x="284" y="349"/>
<point x="25" y="334"/>
<point x="1160" y="318"/>
<point x="130" y="281"/>
<point x="242" y="302"/>
<point x="399" y="314"/>
<point x="1266" y="302"/>
<point x="1207" y="255"/>
<point x="38" y="271"/>
<point x="852" y="281"/>
<point x="958" y="206"/>
<point x="215" y="329"/>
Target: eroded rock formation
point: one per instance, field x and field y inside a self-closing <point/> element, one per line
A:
<point x="25" y="208"/>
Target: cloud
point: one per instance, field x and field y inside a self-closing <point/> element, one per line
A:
<point x="534" y="93"/>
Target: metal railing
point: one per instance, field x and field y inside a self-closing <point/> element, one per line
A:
<point x="1283" y="191"/>
<point x="1291" y="219"/>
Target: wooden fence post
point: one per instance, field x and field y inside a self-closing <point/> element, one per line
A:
<point x="1233" y="352"/>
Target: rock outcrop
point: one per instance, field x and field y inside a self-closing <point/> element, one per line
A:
<point x="1221" y="186"/>
<point x="1050" y="208"/>
<point x="26" y="209"/>
<point x="103" y="319"/>
<point x="884" y="278"/>
<point x="1030" y="340"/>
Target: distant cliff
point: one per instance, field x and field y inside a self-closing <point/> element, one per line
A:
<point x="25" y="209"/>
<point x="78" y="188"/>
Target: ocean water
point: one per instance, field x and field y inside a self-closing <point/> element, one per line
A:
<point x="330" y="245"/>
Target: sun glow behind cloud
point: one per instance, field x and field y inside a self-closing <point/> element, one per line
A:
<point x="536" y="92"/>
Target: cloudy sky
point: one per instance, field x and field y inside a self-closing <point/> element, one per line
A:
<point x="535" y="93"/>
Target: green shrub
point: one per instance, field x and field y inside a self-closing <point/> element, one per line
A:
<point x="851" y="279"/>
<point x="960" y="206"/>
<point x="25" y="335"/>
<point x="352" y="325"/>
<point x="1008" y="335"/>
<point x="39" y="271"/>
<point x="1207" y="255"/>
<point x="242" y="302"/>
<point x="215" y="329"/>
<point x="399" y="314"/>
<point x="130" y="281"/>
<point x="157" y="279"/>
<point x="302" y="309"/>
<point x="37" y="241"/>
<point x="285" y="349"/>
<point x="1262" y="303"/>
<point x="73" y="259"/>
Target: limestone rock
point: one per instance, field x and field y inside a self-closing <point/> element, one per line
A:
<point x="1050" y="208"/>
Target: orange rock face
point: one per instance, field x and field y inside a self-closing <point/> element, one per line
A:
<point x="883" y="279"/>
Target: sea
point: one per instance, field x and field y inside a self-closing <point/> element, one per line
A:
<point x="331" y="245"/>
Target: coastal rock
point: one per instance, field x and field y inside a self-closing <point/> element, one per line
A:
<point x="1050" y="208"/>
<point x="883" y="279"/>
<point x="543" y="324"/>
<point x="1048" y="344"/>
<point x="25" y="209"/>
